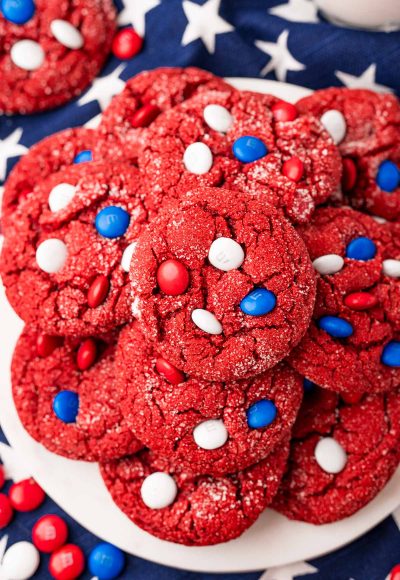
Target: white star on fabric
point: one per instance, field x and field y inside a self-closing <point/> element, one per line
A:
<point x="281" y="59"/>
<point x="204" y="22"/>
<point x="10" y="147"/>
<point x="104" y="88"/>
<point x="289" y="572"/>
<point x="365" y="81"/>
<point x="296" y="11"/>
<point x="134" y="13"/>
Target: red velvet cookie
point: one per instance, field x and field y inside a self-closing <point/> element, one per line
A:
<point x="246" y="141"/>
<point x="351" y="346"/>
<point x="223" y="285"/>
<point x="366" y="127"/>
<point x="50" y="155"/>
<point x="65" y="263"/>
<point x="50" y="51"/>
<point x="124" y="123"/>
<point x="203" y="427"/>
<point x="360" y="121"/>
<point x="345" y="458"/>
<point x="64" y="392"/>
<point x="185" y="509"/>
<point x="377" y="188"/>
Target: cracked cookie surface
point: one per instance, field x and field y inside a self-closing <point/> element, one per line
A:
<point x="58" y="302"/>
<point x="164" y="415"/>
<point x="48" y="156"/>
<point x="302" y="139"/>
<point x="125" y="123"/>
<point x="368" y="431"/>
<point x="53" y="70"/>
<point x="99" y="430"/>
<point x="206" y="510"/>
<point x="275" y="266"/>
<point x="348" y="364"/>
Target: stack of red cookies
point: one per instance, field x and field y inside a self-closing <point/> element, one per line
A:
<point x="206" y="314"/>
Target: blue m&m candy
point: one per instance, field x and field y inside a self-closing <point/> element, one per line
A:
<point x="17" y="11"/>
<point x="248" y="149"/>
<point x="258" y="302"/>
<point x="112" y="221"/>
<point x="335" y="326"/>
<point x="84" y="156"/>
<point x="106" y="561"/>
<point x="261" y="414"/>
<point x="388" y="176"/>
<point x="66" y="406"/>
<point x="391" y="354"/>
<point x="308" y="385"/>
<point x="361" y="248"/>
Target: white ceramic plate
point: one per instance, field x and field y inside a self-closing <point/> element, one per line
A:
<point x="78" y="488"/>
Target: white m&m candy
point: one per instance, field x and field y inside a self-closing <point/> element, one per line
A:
<point x="158" y="490"/>
<point x="60" y="196"/>
<point x="328" y="264"/>
<point x="335" y="123"/>
<point x="206" y="321"/>
<point x="27" y="54"/>
<point x="127" y="256"/>
<point x="391" y="268"/>
<point x="20" y="562"/>
<point x="330" y="455"/>
<point x="226" y="254"/>
<point x="198" y="158"/>
<point x="51" y="255"/>
<point x="210" y="434"/>
<point x="218" y="118"/>
<point x="66" y="34"/>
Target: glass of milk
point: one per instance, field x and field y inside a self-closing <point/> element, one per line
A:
<point x="383" y="15"/>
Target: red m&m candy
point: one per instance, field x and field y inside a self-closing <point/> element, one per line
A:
<point x="293" y="169"/>
<point x="284" y="111"/>
<point x="49" y="533"/>
<point x="395" y="573"/>
<point x="67" y="563"/>
<point x="352" y="398"/>
<point x="98" y="291"/>
<point x="26" y="495"/>
<point x="360" y="300"/>
<point x="126" y="44"/>
<point x="169" y="372"/>
<point x="87" y="354"/>
<point x="46" y="344"/>
<point x="6" y="511"/>
<point x="349" y="176"/>
<point x="144" y="116"/>
<point x="172" y="277"/>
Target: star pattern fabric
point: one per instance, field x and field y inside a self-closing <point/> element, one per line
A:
<point x="285" y="40"/>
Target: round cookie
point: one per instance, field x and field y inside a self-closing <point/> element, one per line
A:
<point x="223" y="285"/>
<point x="185" y="509"/>
<point x="203" y="427"/>
<point x="388" y="289"/>
<point x="343" y="460"/>
<point x="65" y="264"/>
<point x="64" y="392"/>
<point x="51" y="53"/>
<point x="351" y="346"/>
<point x="360" y="121"/>
<point x="366" y="126"/>
<point x="124" y="123"/>
<point x="49" y="156"/>
<point x="237" y="140"/>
